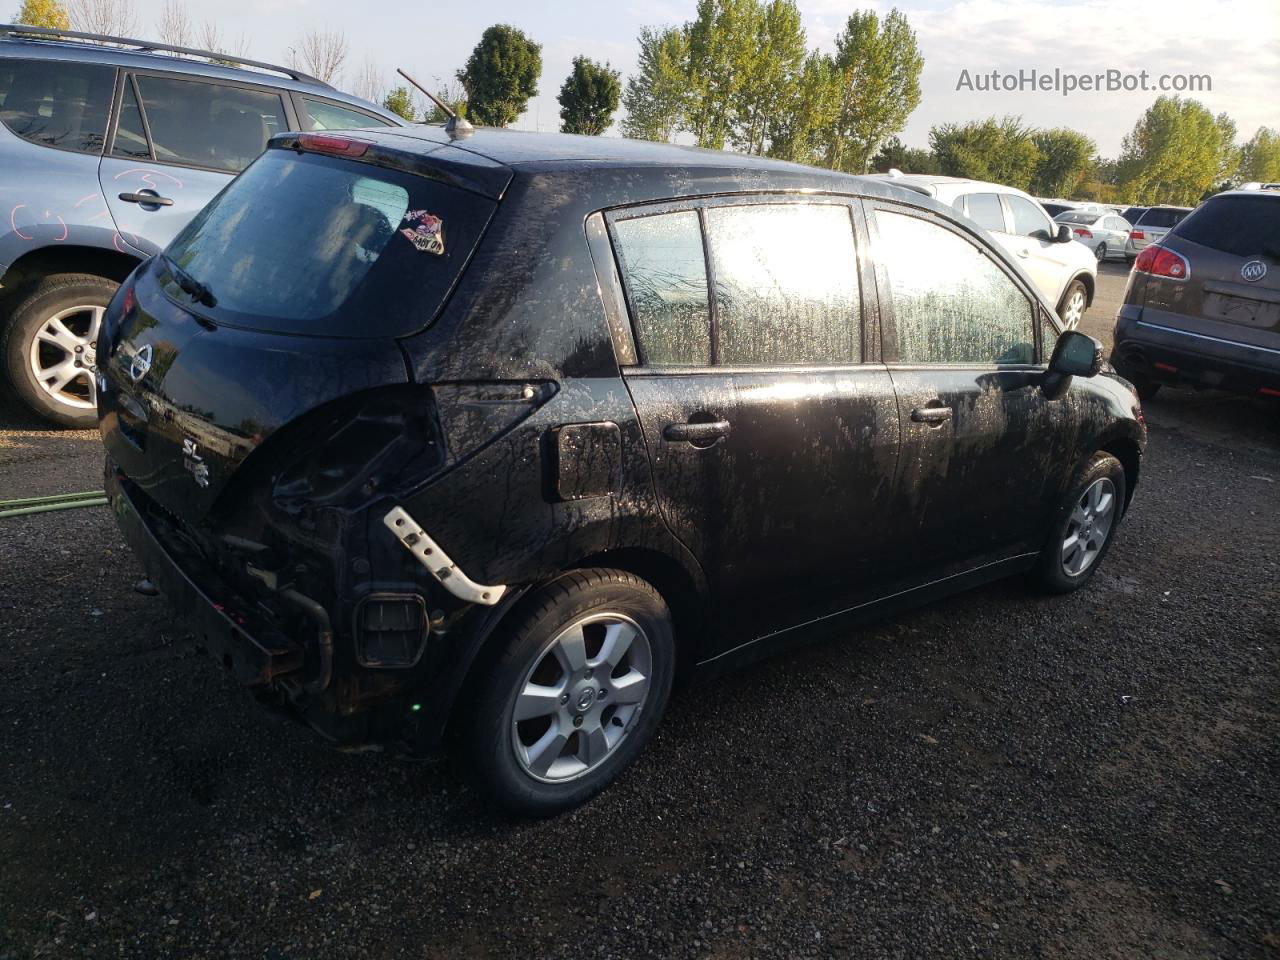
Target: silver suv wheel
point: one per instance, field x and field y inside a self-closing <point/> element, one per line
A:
<point x="1088" y="527"/>
<point x="63" y="355"/>
<point x="581" y="696"/>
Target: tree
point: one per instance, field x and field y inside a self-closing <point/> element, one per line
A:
<point x="320" y="53"/>
<point x="115" y="17"/>
<point x="1065" y="158"/>
<point x="209" y="37"/>
<point x="44" y="13"/>
<point x="1175" y="153"/>
<point x="878" y="68"/>
<point x="400" y="102"/>
<point x="589" y="97"/>
<point x="369" y="83"/>
<point x="1260" y="157"/>
<point x="798" y="131"/>
<point x="453" y="95"/>
<point x="501" y="75"/>
<point x="771" y="77"/>
<point x="1001" y="151"/>
<point x="174" y="27"/>
<point x="895" y="155"/>
<point x="657" y="94"/>
<point x="722" y="41"/>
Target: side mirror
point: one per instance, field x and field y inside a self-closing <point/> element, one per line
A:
<point x="1063" y="235"/>
<point x="1075" y="354"/>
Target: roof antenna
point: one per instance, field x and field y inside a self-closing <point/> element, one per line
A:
<point x="456" y="127"/>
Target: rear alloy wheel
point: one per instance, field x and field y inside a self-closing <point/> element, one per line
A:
<point x="50" y="347"/>
<point x="575" y="694"/>
<point x="1074" y="302"/>
<point x="1100" y="251"/>
<point x="1084" y="527"/>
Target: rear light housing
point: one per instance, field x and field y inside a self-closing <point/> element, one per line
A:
<point x="1137" y="235"/>
<point x="1083" y="232"/>
<point x="1162" y="262"/>
<point x="333" y="145"/>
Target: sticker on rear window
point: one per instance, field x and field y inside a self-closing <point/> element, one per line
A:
<point x="425" y="231"/>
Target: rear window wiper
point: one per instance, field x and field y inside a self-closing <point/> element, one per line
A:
<point x="192" y="287"/>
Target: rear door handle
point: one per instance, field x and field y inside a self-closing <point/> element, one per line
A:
<point x="147" y="199"/>
<point x="931" y="415"/>
<point x="697" y="433"/>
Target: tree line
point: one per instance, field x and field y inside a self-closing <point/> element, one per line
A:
<point x="740" y="75"/>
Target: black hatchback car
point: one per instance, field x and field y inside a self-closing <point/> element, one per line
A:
<point x="487" y="439"/>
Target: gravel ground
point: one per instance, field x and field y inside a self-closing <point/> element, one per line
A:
<point x="995" y="775"/>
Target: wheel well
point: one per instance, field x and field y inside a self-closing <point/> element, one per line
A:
<point x="1130" y="457"/>
<point x="1089" y="284"/>
<point x="30" y="267"/>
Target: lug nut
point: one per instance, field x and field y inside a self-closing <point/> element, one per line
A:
<point x="577" y="721"/>
<point x="564" y="698"/>
<point x="601" y="693"/>
<point x="587" y="674"/>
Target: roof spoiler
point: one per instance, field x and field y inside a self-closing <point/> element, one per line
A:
<point x="21" y="30"/>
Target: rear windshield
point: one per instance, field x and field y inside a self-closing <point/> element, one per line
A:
<point x="1162" y="217"/>
<point x="1133" y="213"/>
<point x="55" y="103"/>
<point x="1077" y="216"/>
<point x="1243" y="226"/>
<point x="316" y="245"/>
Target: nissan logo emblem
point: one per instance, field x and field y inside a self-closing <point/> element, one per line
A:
<point x="141" y="363"/>
<point x="1253" y="271"/>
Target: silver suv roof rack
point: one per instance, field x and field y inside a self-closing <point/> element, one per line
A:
<point x="147" y="46"/>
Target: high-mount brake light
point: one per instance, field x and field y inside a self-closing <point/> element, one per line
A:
<point x="335" y="146"/>
<point x="1160" y="262"/>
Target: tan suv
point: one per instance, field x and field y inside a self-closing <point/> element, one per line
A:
<point x="1203" y="305"/>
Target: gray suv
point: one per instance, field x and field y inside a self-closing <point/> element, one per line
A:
<point x="106" y="153"/>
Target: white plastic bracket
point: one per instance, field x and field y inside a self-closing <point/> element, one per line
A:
<point x="429" y="554"/>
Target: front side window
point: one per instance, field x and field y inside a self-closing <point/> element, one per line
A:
<point x="786" y="283"/>
<point x="664" y="272"/>
<point x="985" y="211"/>
<point x="951" y="302"/>
<point x="55" y="103"/>
<point x="1029" y="221"/>
<point x="209" y="124"/>
<point x="323" y="115"/>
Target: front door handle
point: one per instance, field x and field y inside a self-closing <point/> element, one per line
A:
<point x="931" y="415"/>
<point x="699" y="434"/>
<point x="1024" y="253"/>
<point x="147" y="199"/>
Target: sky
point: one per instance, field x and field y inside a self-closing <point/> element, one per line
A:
<point x="1236" y="44"/>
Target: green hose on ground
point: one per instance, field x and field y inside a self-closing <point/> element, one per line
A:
<point x="60" y="501"/>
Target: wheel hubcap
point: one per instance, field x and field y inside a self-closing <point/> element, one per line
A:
<point x="1089" y="526"/>
<point x="1075" y="308"/>
<point x="64" y="357"/>
<point x="581" y="697"/>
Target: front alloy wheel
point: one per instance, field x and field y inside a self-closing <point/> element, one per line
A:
<point x="1088" y="527"/>
<point x="1084" y="527"/>
<point x="1073" y="305"/>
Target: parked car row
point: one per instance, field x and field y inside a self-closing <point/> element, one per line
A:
<point x="107" y="152"/>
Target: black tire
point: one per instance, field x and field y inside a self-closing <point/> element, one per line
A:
<point x="1100" y="251"/>
<point x="487" y="737"/>
<point x="1049" y="573"/>
<point x="1074" y="287"/>
<point x="32" y="310"/>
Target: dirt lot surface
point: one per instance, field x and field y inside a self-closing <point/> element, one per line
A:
<point x="997" y="775"/>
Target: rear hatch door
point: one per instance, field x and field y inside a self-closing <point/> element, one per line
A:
<point x="285" y="295"/>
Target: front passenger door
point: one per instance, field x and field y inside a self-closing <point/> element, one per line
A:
<point x="978" y="435"/>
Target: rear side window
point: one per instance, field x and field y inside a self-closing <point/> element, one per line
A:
<point x="212" y="125"/>
<point x="786" y="283"/>
<point x="56" y="104"/>
<point x="1238" y="225"/>
<point x="1028" y="221"/>
<point x="323" y="115"/>
<point x="951" y="303"/>
<point x="1162" y="217"/>
<point x="985" y="210"/>
<point x="664" y="271"/>
<point x="312" y="245"/>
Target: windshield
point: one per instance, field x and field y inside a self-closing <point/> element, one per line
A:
<point x="316" y="245"/>
<point x="1076" y="216"/>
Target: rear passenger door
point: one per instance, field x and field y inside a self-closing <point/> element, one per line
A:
<point x="962" y="344"/>
<point x="772" y="430"/>
<point x="177" y="141"/>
